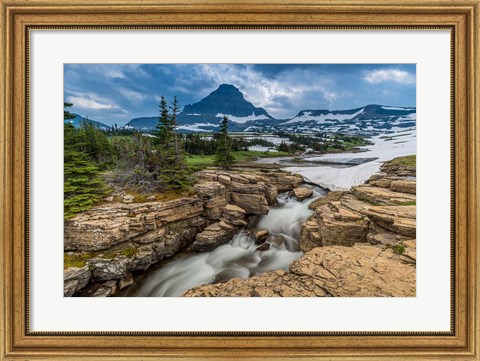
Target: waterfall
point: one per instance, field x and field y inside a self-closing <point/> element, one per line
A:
<point x="237" y="259"/>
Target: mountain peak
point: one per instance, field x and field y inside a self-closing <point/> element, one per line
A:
<point x="225" y="100"/>
<point x="228" y="87"/>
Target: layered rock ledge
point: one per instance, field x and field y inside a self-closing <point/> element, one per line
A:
<point x="357" y="243"/>
<point x="105" y="244"/>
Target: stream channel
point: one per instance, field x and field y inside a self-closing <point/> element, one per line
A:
<point x="237" y="259"/>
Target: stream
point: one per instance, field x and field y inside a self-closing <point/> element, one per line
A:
<point x="237" y="259"/>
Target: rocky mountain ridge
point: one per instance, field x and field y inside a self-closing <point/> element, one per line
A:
<point x="205" y="115"/>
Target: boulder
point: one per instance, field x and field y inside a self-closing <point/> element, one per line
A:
<point x="234" y="215"/>
<point x="263" y="247"/>
<point x="397" y="219"/>
<point x="215" y="235"/>
<point x="283" y="181"/>
<point x="338" y="225"/>
<point x="331" y="196"/>
<point x="302" y="193"/>
<point x="261" y="236"/>
<point x="251" y="203"/>
<point x="271" y="194"/>
<point x="106" y="269"/>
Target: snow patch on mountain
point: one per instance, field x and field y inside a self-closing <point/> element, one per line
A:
<point x="242" y="120"/>
<point x="308" y="116"/>
<point x="197" y="127"/>
<point x="396" y="108"/>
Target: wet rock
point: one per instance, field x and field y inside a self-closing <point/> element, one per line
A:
<point x="261" y="236"/>
<point x="302" y="193"/>
<point x="74" y="279"/>
<point x="264" y="247"/>
<point x="213" y="236"/>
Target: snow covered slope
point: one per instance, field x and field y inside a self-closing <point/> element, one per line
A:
<point x="385" y="147"/>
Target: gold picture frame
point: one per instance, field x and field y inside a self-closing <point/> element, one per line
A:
<point x="21" y="16"/>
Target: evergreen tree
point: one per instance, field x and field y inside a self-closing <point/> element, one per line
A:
<point x="83" y="186"/>
<point x="173" y="169"/>
<point x="223" y="155"/>
<point x="66" y="114"/>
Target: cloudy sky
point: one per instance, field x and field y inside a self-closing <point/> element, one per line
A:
<point x="116" y="93"/>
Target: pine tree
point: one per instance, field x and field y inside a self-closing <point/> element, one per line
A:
<point x="173" y="168"/>
<point x="83" y="186"/>
<point x="223" y="155"/>
<point x="66" y="114"/>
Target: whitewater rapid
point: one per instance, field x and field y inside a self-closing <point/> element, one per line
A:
<point x="237" y="259"/>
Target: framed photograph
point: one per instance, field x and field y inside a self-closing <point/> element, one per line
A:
<point x="239" y="180"/>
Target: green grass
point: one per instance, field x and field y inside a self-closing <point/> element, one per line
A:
<point x="398" y="248"/>
<point x="408" y="161"/>
<point x="412" y="203"/>
<point x="80" y="259"/>
<point x="196" y="160"/>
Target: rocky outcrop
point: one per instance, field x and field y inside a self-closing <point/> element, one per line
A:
<point x="213" y="236"/>
<point x="302" y="193"/>
<point x="357" y="243"/>
<point x="104" y="226"/>
<point x="358" y="271"/>
<point x="234" y="215"/>
<point x="282" y="181"/>
<point x="382" y="211"/>
<point x="75" y="278"/>
<point x="105" y="244"/>
<point x="214" y="198"/>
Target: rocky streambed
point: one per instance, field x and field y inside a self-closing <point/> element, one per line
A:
<point x="260" y="233"/>
<point x="106" y="245"/>
<point x="357" y="243"/>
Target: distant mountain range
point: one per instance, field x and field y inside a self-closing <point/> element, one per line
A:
<point x="78" y="120"/>
<point x="205" y="115"/>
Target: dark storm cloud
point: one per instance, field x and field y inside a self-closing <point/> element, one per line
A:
<point x="116" y="93"/>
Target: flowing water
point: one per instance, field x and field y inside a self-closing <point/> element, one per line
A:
<point x="237" y="259"/>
